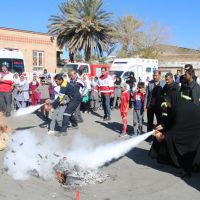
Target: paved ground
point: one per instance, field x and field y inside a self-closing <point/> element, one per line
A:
<point x="134" y="176"/>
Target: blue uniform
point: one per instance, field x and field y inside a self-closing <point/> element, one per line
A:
<point x="75" y="99"/>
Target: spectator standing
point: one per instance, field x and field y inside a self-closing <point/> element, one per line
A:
<point x="22" y="97"/>
<point x="106" y="87"/>
<point x="124" y="107"/>
<point x="79" y="84"/>
<point x="15" y="85"/>
<point x="138" y="112"/>
<point x="131" y="82"/>
<point x="95" y="98"/>
<point x="153" y="100"/>
<point x="43" y="89"/>
<point x="117" y="92"/>
<point x="177" y="76"/>
<point x="34" y="96"/>
<point x="52" y="85"/>
<point x="86" y="95"/>
<point x="46" y="75"/>
<point x="6" y="81"/>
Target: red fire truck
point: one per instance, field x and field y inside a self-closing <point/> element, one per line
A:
<point x="85" y="68"/>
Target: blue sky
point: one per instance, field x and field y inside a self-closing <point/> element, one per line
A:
<point x="181" y="18"/>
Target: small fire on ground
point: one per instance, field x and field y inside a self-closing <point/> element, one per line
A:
<point x="70" y="175"/>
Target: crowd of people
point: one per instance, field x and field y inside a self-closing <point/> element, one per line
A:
<point x="174" y="101"/>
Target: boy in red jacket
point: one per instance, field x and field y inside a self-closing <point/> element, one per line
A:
<point x="124" y="107"/>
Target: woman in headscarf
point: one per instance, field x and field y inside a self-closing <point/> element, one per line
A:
<point x="22" y="93"/>
<point x="15" y="85"/>
<point x="85" y="104"/>
<point x="178" y="142"/>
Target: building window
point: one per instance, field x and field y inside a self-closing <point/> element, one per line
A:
<point x="38" y="58"/>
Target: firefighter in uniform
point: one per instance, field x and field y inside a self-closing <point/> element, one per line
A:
<point x="190" y="90"/>
<point x="75" y="99"/>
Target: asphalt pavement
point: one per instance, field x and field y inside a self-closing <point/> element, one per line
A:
<point x="133" y="176"/>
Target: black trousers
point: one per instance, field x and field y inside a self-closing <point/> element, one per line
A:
<point x="5" y="102"/>
<point x="151" y="111"/>
<point x="68" y="115"/>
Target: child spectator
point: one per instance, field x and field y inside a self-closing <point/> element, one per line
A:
<point x="124" y="107"/>
<point x="22" y="96"/>
<point x="52" y="85"/>
<point x="138" y="98"/>
<point x="43" y="89"/>
<point x="33" y="94"/>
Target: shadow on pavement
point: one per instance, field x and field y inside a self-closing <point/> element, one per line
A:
<point x="96" y="114"/>
<point x="115" y="126"/>
<point x="24" y="128"/>
<point x="140" y="156"/>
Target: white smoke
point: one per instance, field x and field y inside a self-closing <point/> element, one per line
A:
<point x="27" y="110"/>
<point x="88" y="156"/>
<point x="28" y="153"/>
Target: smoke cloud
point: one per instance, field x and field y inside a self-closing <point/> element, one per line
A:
<point x="89" y="156"/>
<point x="31" y="154"/>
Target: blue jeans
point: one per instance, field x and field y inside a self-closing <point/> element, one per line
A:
<point x="106" y="105"/>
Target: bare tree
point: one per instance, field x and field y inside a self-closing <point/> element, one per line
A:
<point x="125" y="33"/>
<point x="148" y="42"/>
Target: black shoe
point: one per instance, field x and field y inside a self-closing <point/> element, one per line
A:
<point x="107" y="119"/>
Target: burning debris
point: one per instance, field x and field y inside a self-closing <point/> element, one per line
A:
<point x="71" y="175"/>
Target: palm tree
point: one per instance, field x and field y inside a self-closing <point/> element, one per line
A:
<point x="83" y="25"/>
<point x="126" y="33"/>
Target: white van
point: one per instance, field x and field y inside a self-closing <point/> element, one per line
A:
<point x="14" y="59"/>
<point x="142" y="67"/>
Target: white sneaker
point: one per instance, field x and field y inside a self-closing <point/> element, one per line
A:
<point x="50" y="132"/>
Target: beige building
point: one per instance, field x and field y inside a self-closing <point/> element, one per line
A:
<point x="39" y="49"/>
<point x="174" y="58"/>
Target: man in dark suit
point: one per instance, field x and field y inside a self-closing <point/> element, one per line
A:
<point x="153" y="99"/>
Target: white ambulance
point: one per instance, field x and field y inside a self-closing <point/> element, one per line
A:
<point x="142" y="67"/>
<point x="13" y="58"/>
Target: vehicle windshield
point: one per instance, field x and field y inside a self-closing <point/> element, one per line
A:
<point x="15" y="65"/>
<point x="69" y="67"/>
<point x="118" y="73"/>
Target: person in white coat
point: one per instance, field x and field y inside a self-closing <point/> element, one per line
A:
<point x="22" y="93"/>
